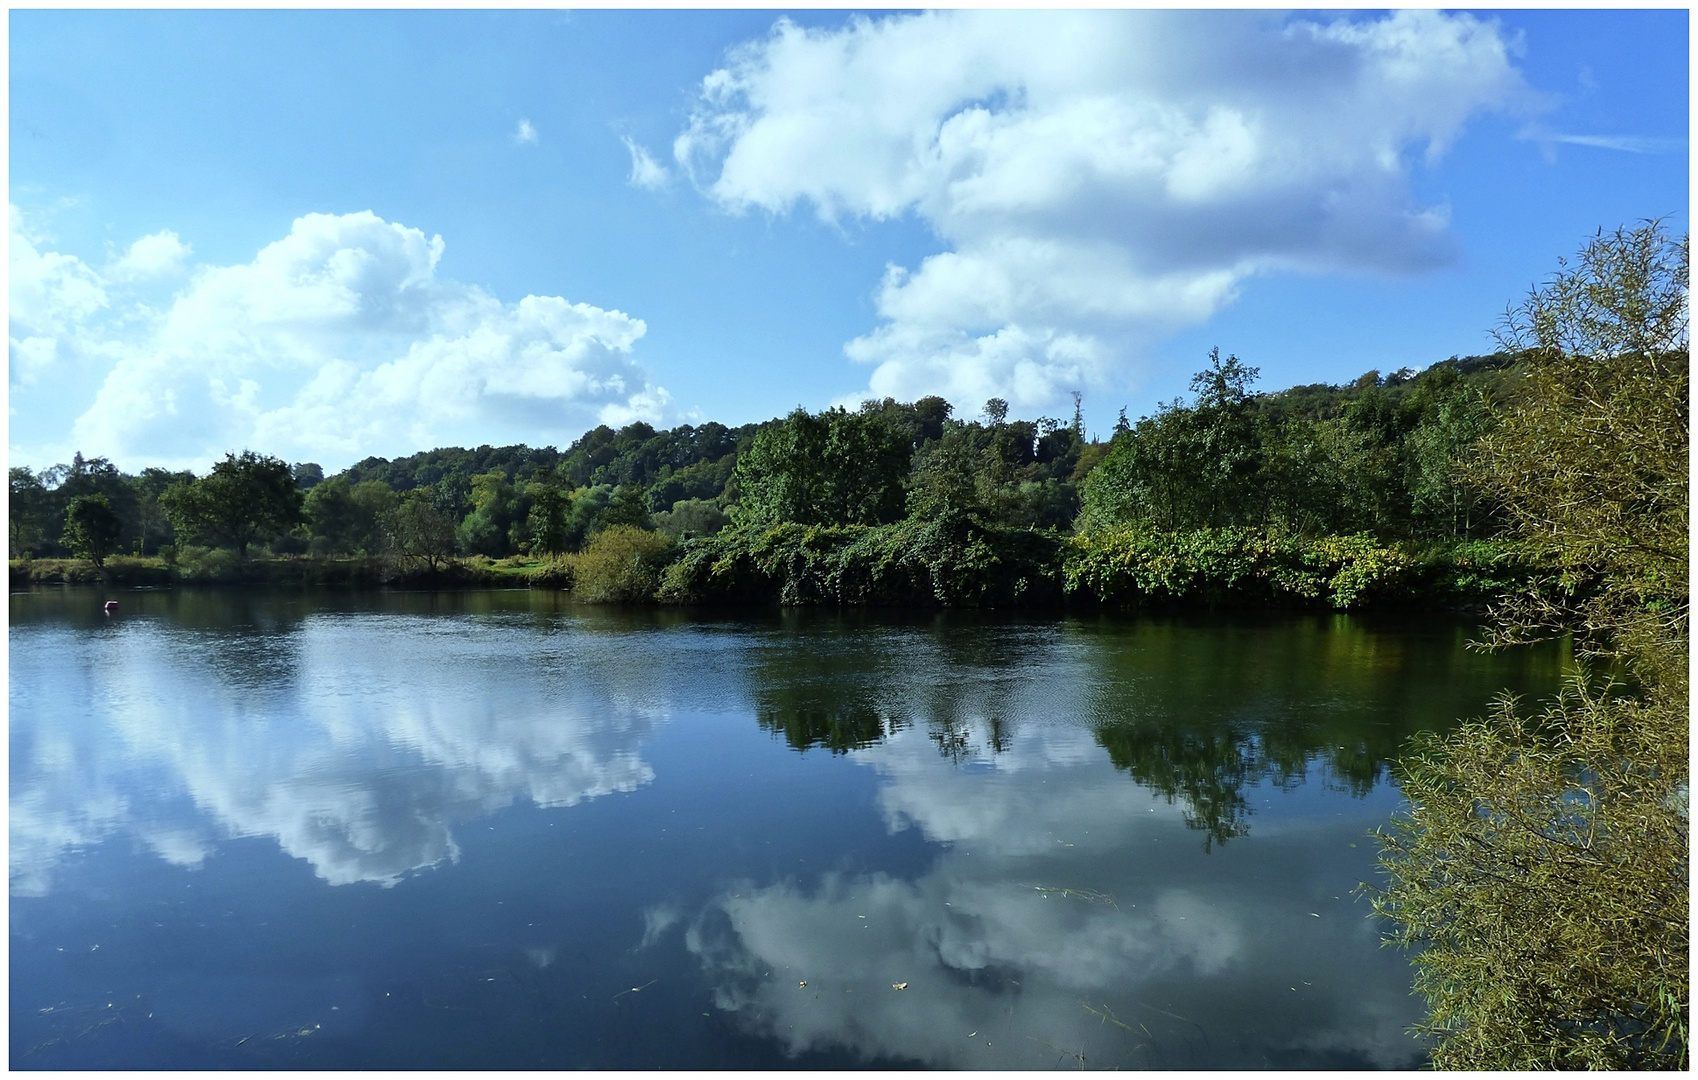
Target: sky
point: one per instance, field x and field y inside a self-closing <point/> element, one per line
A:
<point x="324" y="235"/>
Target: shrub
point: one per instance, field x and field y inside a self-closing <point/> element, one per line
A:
<point x="953" y="561"/>
<point x="622" y="564"/>
<point x="1234" y="566"/>
<point x="1543" y="866"/>
<point x="196" y="563"/>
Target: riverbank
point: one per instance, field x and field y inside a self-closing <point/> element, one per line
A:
<point x="945" y="563"/>
<point x="226" y="568"/>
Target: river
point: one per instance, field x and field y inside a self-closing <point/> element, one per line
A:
<point x="498" y="830"/>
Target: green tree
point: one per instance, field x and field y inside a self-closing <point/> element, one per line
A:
<point x="627" y="507"/>
<point x="420" y="531"/>
<point x="92" y="530"/>
<point x="949" y="475"/>
<point x="347" y="518"/>
<point x="1186" y="467"/>
<point x="691" y="517"/>
<point x="152" y="524"/>
<point x="27" y="508"/>
<point x="622" y="564"/>
<point x="836" y="468"/>
<point x="496" y="507"/>
<point x="1443" y="500"/>
<point x="247" y="498"/>
<point x="547" y="518"/>
<point x="1152" y="474"/>
<point x="1543" y="865"/>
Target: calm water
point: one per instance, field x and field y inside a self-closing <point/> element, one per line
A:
<point x="496" y="830"/>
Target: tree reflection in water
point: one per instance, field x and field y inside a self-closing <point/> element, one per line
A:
<point x="1197" y="710"/>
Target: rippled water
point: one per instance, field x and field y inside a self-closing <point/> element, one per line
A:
<point x="496" y="830"/>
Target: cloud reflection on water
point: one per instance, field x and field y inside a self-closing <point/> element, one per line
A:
<point x="1063" y="889"/>
<point x="358" y="751"/>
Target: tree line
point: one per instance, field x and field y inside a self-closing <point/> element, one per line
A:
<point x="1379" y="455"/>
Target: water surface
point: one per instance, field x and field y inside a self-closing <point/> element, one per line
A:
<point x="498" y="830"/>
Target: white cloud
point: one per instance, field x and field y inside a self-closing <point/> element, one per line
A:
<point x="1097" y="178"/>
<point x="156" y="255"/>
<point x="1631" y="144"/>
<point x="646" y="172"/>
<point x="525" y="134"/>
<point x="48" y="292"/>
<point x="337" y="341"/>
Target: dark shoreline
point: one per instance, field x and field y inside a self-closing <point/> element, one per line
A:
<point x="291" y="578"/>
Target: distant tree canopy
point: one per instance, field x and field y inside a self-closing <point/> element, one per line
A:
<point x="1380" y="455"/>
<point x="1384" y="455"/>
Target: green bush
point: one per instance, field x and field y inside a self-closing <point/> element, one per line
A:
<point x="202" y="564"/>
<point x="1541" y="869"/>
<point x="953" y="562"/>
<point x="118" y="570"/>
<point x="1234" y="566"/>
<point x="622" y="564"/>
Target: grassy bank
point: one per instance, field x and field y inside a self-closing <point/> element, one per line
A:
<point x="218" y="567"/>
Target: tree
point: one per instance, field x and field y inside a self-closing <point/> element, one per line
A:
<point x="691" y="517"/>
<point x="27" y="508"/>
<point x="347" y="518"/>
<point x="548" y="518"/>
<point x="92" y="530"/>
<point x="419" y="530"/>
<point x="496" y="508"/>
<point x="1187" y="467"/>
<point x="1543" y="864"/>
<point x="152" y="524"/>
<point x="1442" y="499"/>
<point x="247" y="498"/>
<point x="1590" y="460"/>
<point x="621" y="565"/>
<point x="836" y="468"/>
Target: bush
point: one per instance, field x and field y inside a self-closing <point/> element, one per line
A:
<point x="950" y="562"/>
<point x="208" y="564"/>
<point x="1232" y="566"/>
<point x="622" y="564"/>
<point x="1543" y="866"/>
<point x="691" y="517"/>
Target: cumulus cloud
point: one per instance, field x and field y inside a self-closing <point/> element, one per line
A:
<point x="525" y="134"/>
<point x="336" y="341"/>
<point x="1097" y="178"/>
<point x="646" y="172"/>
<point x="157" y="255"/>
<point x="50" y="297"/>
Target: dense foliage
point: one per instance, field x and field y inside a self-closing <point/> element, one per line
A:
<point x="246" y="498"/>
<point x="1543" y="866"/>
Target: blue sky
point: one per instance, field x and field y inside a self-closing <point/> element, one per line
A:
<point x="325" y="234"/>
